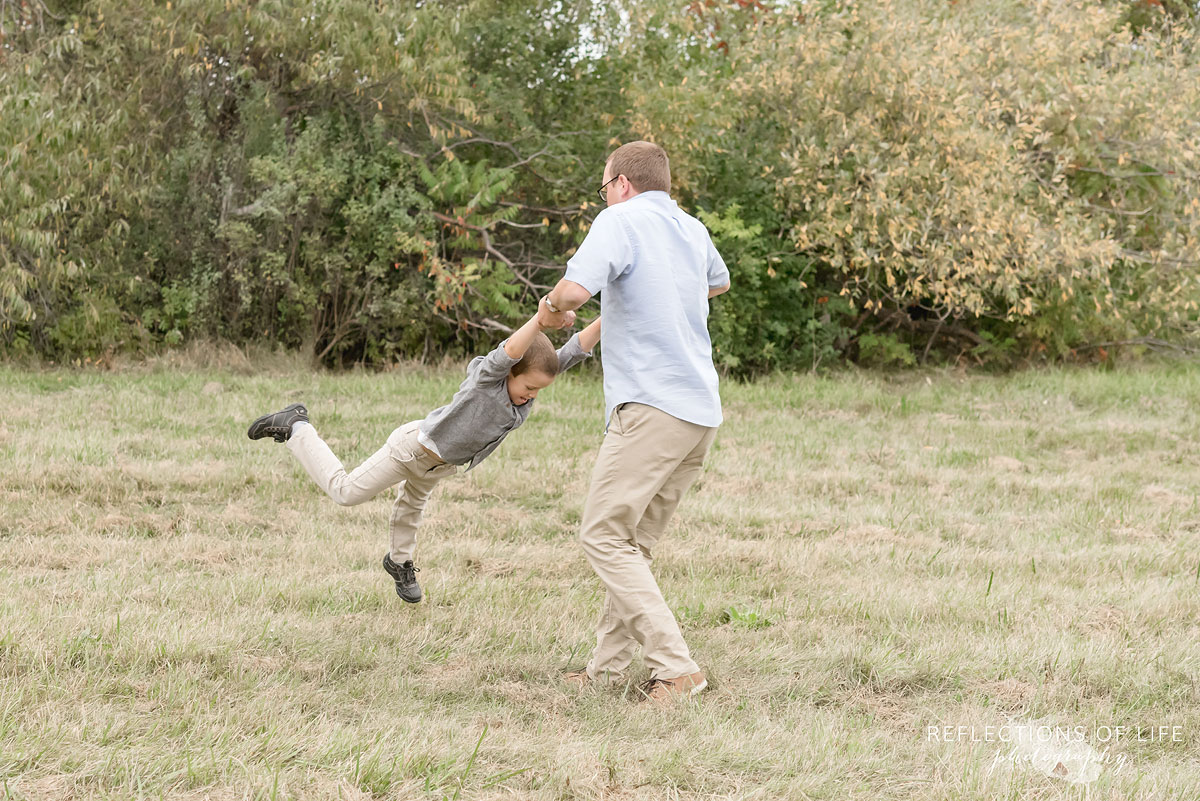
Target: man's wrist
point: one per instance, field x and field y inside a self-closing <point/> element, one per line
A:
<point x="550" y="306"/>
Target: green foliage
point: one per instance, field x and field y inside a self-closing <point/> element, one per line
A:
<point x="959" y="169"/>
<point x="884" y="350"/>
<point x="773" y="319"/>
<point x="749" y="618"/>
<point x="1157" y="15"/>
<point x="366" y="182"/>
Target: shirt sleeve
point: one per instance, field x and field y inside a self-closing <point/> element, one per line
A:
<point x="718" y="273"/>
<point x="606" y="253"/>
<point x="493" y="366"/>
<point x="571" y="354"/>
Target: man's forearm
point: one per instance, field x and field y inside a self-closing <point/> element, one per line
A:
<point x="568" y="295"/>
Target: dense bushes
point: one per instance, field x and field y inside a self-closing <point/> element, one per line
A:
<point x="1007" y="176"/>
<point x="887" y="180"/>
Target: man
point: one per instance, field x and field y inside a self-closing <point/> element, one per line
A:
<point x="657" y="269"/>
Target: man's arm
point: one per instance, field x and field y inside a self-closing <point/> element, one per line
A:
<point x="713" y="291"/>
<point x="566" y="296"/>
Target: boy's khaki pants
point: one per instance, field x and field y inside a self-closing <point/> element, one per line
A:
<point x="647" y="461"/>
<point x="401" y="461"/>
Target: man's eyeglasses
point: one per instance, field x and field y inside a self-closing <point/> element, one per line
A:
<point x="603" y="191"/>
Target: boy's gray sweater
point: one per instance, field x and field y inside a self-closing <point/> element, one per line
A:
<point x="479" y="417"/>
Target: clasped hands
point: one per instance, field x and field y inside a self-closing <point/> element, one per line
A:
<point x="554" y="321"/>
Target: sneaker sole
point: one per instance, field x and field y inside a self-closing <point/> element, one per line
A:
<point x="420" y="598"/>
<point x="255" y="431"/>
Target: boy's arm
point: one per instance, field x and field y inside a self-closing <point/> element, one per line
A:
<point x="589" y="336"/>
<point x="579" y="347"/>
<point x="516" y="345"/>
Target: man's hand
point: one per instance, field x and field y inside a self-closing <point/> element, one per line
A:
<point x="552" y="321"/>
<point x="516" y="345"/>
<point x="561" y="320"/>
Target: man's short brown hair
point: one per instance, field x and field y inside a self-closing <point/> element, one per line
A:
<point x="540" y="356"/>
<point x="644" y="164"/>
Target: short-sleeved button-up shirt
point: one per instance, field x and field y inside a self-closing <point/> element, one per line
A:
<point x="479" y="417"/>
<point x="653" y="265"/>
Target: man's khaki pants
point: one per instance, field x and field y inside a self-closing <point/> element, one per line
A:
<point x="646" y="463"/>
<point x="401" y="461"/>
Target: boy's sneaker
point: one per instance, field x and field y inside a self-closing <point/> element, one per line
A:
<point x="278" y="424"/>
<point x="405" y="576"/>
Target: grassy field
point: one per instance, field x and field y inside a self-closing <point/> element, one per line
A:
<point x="184" y="615"/>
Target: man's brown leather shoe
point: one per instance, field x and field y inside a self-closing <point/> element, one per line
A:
<point x="577" y="679"/>
<point x="665" y="691"/>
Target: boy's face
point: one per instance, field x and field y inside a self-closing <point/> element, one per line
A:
<point x="525" y="387"/>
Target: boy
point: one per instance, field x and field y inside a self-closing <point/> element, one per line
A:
<point x="496" y="397"/>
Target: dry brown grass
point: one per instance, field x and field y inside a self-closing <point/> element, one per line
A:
<point x="184" y="616"/>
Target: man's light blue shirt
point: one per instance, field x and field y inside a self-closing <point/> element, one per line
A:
<point x="653" y="265"/>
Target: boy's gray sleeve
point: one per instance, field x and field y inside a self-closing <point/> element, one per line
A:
<point x="571" y="354"/>
<point x="493" y="366"/>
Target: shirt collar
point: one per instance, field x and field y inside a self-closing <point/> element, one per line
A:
<point x="654" y="196"/>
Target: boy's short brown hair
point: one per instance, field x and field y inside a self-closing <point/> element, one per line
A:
<point x="540" y="356"/>
<point x="644" y="164"/>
